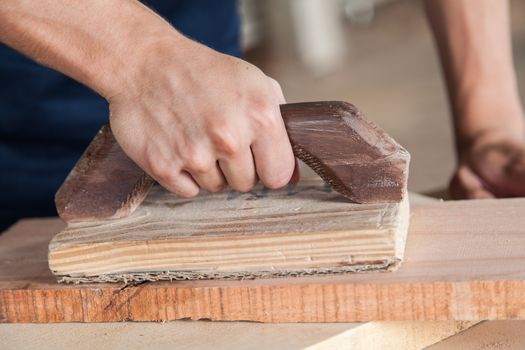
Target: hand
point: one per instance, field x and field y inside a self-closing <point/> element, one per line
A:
<point x="476" y="53"/>
<point x="492" y="167"/>
<point x="194" y="118"/>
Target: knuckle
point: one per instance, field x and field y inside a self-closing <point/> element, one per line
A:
<point x="162" y="170"/>
<point x="199" y="165"/>
<point x="276" y="86"/>
<point x="195" y="160"/>
<point x="169" y="176"/>
<point x="225" y="141"/>
<point x="261" y="103"/>
<point x="274" y="83"/>
<point x="266" y="121"/>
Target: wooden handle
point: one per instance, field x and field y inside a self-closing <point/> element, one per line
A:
<point x="354" y="156"/>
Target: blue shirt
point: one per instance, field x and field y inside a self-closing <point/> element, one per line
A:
<point x="47" y="119"/>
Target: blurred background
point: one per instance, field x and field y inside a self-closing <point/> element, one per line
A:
<point x="376" y="54"/>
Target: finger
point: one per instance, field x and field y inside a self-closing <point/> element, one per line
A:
<point x="472" y="185"/>
<point x="274" y="158"/>
<point x="296" y="175"/>
<point x="480" y="193"/>
<point x="239" y="171"/>
<point x="181" y="183"/>
<point x="212" y="180"/>
<point x="467" y="185"/>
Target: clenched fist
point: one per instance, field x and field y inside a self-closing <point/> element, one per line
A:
<point x="491" y="168"/>
<point x="194" y="118"/>
<point x="189" y="116"/>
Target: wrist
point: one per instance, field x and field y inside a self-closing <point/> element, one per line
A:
<point x="485" y="117"/>
<point x="483" y="135"/>
<point x="160" y="56"/>
<point x="135" y="47"/>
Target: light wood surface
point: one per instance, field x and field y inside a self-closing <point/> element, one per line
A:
<point x="464" y="261"/>
<point x="489" y="335"/>
<point x="304" y="229"/>
<point x="199" y="335"/>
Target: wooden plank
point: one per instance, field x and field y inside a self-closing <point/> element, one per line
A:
<point x="197" y="335"/>
<point x="464" y="261"/>
<point x="489" y="335"/>
<point x="304" y="229"/>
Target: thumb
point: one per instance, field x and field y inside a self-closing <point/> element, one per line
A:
<point x="467" y="185"/>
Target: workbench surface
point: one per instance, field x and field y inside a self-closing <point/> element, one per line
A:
<point x="464" y="261"/>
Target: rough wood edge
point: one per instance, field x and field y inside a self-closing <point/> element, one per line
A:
<point x="120" y="185"/>
<point x="153" y="276"/>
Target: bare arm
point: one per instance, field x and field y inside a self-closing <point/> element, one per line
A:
<point x="474" y="41"/>
<point x="189" y="116"/>
<point x="95" y="42"/>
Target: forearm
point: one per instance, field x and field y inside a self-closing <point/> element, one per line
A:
<point x="96" y="42"/>
<point x="473" y="37"/>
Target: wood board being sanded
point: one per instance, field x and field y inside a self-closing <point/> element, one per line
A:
<point x="464" y="261"/>
<point x="304" y="229"/>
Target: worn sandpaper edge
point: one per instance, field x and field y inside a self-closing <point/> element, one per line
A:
<point x="84" y="167"/>
<point x="385" y="265"/>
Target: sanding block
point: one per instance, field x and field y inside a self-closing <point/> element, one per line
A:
<point x="359" y="160"/>
<point x="355" y="220"/>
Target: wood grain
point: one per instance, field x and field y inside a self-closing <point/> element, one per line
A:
<point x="490" y="335"/>
<point x="300" y="230"/>
<point x="198" y="335"/>
<point x="464" y="261"/>
<point x="104" y="183"/>
<point x="354" y="156"/>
